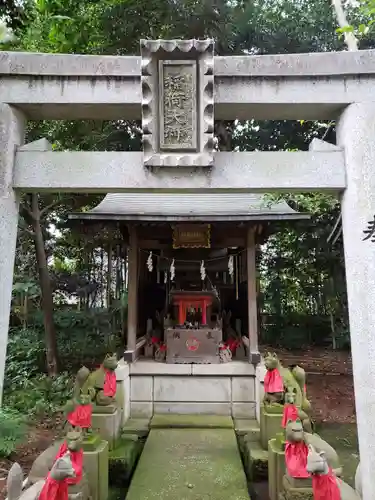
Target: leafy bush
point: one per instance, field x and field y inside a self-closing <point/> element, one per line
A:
<point x="12" y="430"/>
<point x="83" y="337"/>
<point x="25" y="356"/>
<point x="40" y="395"/>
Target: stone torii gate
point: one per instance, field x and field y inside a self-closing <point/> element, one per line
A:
<point x="178" y="88"/>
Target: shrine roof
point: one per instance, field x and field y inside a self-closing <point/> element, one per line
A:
<point x="189" y="206"/>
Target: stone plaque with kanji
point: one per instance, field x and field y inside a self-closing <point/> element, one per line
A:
<point x="177" y="103"/>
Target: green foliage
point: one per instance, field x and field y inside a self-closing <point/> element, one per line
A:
<point x="12" y="430"/>
<point x="362" y="18"/>
<point x="25" y="357"/>
<point x="40" y="396"/>
<point x="84" y="337"/>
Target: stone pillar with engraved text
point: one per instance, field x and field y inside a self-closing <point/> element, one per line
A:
<point x="177" y="103"/>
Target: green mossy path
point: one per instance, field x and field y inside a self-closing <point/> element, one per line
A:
<point x="189" y="464"/>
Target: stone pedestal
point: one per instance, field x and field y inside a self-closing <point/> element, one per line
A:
<point x="356" y="134"/>
<point x="260" y="373"/>
<point x="301" y="492"/>
<point x="95" y="461"/>
<point x="276" y="468"/>
<point x="123" y="389"/>
<point x="108" y="425"/>
<point x="270" y="423"/>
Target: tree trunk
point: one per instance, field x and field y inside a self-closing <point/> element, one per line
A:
<point x="46" y="290"/>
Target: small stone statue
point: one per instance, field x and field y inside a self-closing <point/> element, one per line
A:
<point x="225" y="354"/>
<point x="77" y="484"/>
<point x="297" y="439"/>
<point x="56" y="484"/>
<point x="326" y="486"/>
<point x="101" y="384"/>
<point x="78" y="410"/>
<point x="280" y="380"/>
<point x="292" y="412"/>
<point x="160" y="352"/>
<point x="54" y="487"/>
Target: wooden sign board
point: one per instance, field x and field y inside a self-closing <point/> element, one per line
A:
<point x="192" y="236"/>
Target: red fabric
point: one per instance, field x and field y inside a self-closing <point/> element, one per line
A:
<point x="296" y="459"/>
<point x="163" y="348"/>
<point x="77" y="462"/>
<point x="154" y="340"/>
<point x="110" y="385"/>
<point x="290" y="413"/>
<point x="273" y="381"/>
<point x="58" y="490"/>
<point x="325" y="486"/>
<point x="81" y="416"/>
<point x="232" y="345"/>
<point x="54" y="490"/>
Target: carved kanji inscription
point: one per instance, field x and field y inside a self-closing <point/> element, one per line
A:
<point x="178" y="128"/>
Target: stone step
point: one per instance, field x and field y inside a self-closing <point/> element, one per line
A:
<point x="138" y="426"/>
<point x="122" y="460"/>
<point x="248" y="427"/>
<point x="255" y="459"/>
<point x="189" y="464"/>
<point x="173" y="421"/>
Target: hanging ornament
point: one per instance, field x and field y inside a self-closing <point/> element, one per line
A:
<point x="203" y="271"/>
<point x="165" y="277"/>
<point x="231" y="266"/>
<point x="172" y="270"/>
<point x="150" y="265"/>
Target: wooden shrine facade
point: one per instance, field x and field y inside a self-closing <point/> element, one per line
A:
<point x="212" y="233"/>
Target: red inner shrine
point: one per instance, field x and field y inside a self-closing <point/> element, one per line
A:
<point x="199" y="302"/>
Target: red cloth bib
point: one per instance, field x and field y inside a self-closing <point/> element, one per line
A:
<point x="290" y="413"/>
<point x="58" y="490"/>
<point x="110" y="386"/>
<point x="273" y="381"/>
<point x="77" y="461"/>
<point x="54" y="490"/>
<point x="325" y="487"/>
<point x="296" y="459"/>
<point x="81" y="416"/>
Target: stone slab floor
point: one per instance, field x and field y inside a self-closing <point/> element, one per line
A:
<point x="189" y="464"/>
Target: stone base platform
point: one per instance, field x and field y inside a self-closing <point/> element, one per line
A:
<point x="225" y="389"/>
<point x="270" y="423"/>
<point x="95" y="462"/>
<point x="108" y="426"/>
<point x="276" y="468"/>
<point x="255" y="460"/>
<point x="293" y="492"/>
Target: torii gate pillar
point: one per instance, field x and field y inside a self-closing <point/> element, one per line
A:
<point x="356" y="133"/>
<point x="12" y="126"/>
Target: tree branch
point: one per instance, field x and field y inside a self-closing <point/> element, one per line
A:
<point x="26" y="213"/>
<point x="49" y="207"/>
<point x="349" y="37"/>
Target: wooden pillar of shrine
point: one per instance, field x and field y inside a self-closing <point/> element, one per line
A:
<point x="132" y="289"/>
<point x="254" y="356"/>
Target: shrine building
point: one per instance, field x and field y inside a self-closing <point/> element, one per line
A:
<point x="192" y="280"/>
